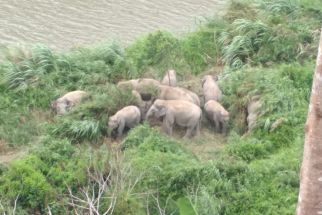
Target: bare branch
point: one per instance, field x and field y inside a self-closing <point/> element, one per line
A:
<point x="15" y="205"/>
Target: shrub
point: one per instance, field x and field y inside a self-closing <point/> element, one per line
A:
<point x="199" y="49"/>
<point x="159" y="49"/>
<point x="78" y="131"/>
<point x="144" y="138"/>
<point x="52" y="151"/>
<point x="244" y="40"/>
<point x="26" y="180"/>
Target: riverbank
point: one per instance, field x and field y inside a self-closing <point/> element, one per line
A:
<point x="262" y="48"/>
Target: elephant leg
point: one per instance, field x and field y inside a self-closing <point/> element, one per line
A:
<point x="120" y="128"/>
<point x="216" y="123"/>
<point x="198" y="128"/>
<point x="224" y="128"/>
<point x="189" y="132"/>
<point x="168" y="124"/>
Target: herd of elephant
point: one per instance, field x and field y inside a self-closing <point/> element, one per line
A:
<point x="161" y="100"/>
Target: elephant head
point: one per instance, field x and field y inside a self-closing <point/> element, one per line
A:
<point x="61" y="107"/>
<point x="209" y="77"/>
<point x="224" y="120"/>
<point x="157" y="109"/>
<point x="113" y="123"/>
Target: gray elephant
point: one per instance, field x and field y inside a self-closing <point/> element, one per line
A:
<point x="128" y="85"/>
<point x="193" y="95"/>
<point x="218" y="115"/>
<point x="177" y="93"/>
<point x="182" y="113"/>
<point x="127" y="117"/>
<point x="63" y="104"/>
<point x="170" y="78"/>
<point x="210" y="88"/>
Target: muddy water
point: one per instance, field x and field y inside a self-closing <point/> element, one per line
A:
<point x="62" y="24"/>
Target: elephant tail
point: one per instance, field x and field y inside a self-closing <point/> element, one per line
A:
<point x="198" y="126"/>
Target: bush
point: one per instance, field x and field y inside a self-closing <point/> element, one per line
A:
<point x="249" y="149"/>
<point x="78" y="131"/>
<point x="159" y="49"/>
<point x="25" y="179"/>
<point x="144" y="138"/>
<point x="199" y="49"/>
<point x="52" y="151"/>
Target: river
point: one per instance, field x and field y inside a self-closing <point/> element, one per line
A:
<point x="62" y="24"/>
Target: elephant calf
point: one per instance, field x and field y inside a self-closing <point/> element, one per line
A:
<point x="210" y="89"/>
<point x="63" y="104"/>
<point x="127" y="117"/>
<point x="217" y="114"/>
<point x="183" y="113"/>
<point x="170" y="78"/>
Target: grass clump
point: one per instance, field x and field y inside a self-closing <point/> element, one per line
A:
<point x="26" y="181"/>
<point x="159" y="49"/>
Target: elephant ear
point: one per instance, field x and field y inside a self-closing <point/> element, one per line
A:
<point x="162" y="111"/>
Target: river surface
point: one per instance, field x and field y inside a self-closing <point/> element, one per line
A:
<point x="62" y="24"/>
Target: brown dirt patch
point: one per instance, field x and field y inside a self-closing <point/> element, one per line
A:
<point x="9" y="156"/>
<point x="207" y="145"/>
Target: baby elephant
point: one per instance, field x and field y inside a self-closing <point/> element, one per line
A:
<point x="183" y="113"/>
<point x="63" y="104"/>
<point x="170" y="78"/>
<point x="217" y="114"/>
<point x="129" y="117"/>
<point x="210" y="89"/>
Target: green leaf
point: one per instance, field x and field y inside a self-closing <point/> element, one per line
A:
<point x="185" y="207"/>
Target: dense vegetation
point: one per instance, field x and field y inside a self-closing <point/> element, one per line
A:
<point x="264" y="48"/>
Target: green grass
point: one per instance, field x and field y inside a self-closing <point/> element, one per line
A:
<point x="264" y="48"/>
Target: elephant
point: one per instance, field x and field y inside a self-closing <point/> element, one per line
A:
<point x="63" y="104"/>
<point x="252" y="111"/>
<point x="170" y="78"/>
<point x="137" y="96"/>
<point x="211" y="90"/>
<point x="177" y="93"/>
<point x="128" y="85"/>
<point x="144" y="86"/>
<point x="193" y="95"/>
<point x="183" y="113"/>
<point x="127" y="117"/>
<point x="217" y="114"/>
<point x="141" y="104"/>
<point x="147" y="87"/>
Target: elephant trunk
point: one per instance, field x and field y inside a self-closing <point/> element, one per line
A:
<point x="149" y="113"/>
